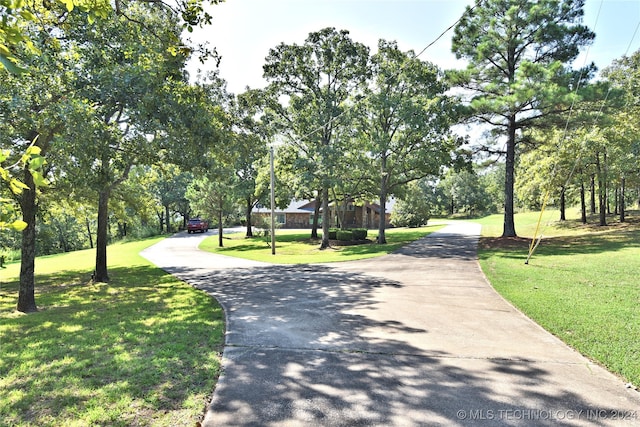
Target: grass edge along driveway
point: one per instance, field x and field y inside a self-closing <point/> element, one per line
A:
<point x="581" y="284"/>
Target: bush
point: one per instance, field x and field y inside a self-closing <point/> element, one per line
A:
<point x="411" y="213"/>
<point x="359" y="233"/>
<point x="333" y="233"/>
<point x="344" y="235"/>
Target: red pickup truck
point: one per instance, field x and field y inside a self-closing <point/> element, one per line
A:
<point x="197" y="224"/>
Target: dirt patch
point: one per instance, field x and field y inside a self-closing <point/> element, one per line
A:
<point x="504" y="243"/>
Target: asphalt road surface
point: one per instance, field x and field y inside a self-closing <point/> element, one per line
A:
<point x="415" y="338"/>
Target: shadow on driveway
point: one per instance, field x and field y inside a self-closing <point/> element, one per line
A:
<point x="417" y="338"/>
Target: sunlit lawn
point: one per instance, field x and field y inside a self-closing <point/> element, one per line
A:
<point x="295" y="246"/>
<point x="144" y="349"/>
<point x="581" y="283"/>
<point x="140" y="350"/>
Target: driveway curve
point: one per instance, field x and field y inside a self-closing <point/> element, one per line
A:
<point x="415" y="338"/>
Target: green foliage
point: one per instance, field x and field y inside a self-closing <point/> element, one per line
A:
<point x="359" y="233"/>
<point x="623" y="146"/>
<point x="18" y="15"/>
<point x="318" y="78"/>
<point x="412" y="210"/>
<point x="517" y="75"/>
<point x="344" y="235"/>
<point x="405" y="122"/>
<point x="59" y="232"/>
<point x="333" y="233"/>
<point x="211" y="195"/>
<point x="466" y="193"/>
<point x="33" y="162"/>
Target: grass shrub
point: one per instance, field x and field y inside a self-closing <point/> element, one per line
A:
<point x="344" y="235"/>
<point x="359" y="233"/>
<point x="10" y="255"/>
<point x="333" y="233"/>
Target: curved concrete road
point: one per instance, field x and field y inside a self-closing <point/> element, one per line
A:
<point x="416" y="338"/>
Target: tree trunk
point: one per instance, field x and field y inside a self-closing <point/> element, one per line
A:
<point x="365" y="218"/>
<point x="583" y="204"/>
<point x="26" y="292"/>
<point x="220" y="225"/>
<point x="601" y="193"/>
<point x="248" y="218"/>
<point x="122" y="230"/>
<point x="382" y="238"/>
<point x="622" y="195"/>
<point x="89" y="233"/>
<point x="160" y="216"/>
<point x="509" y="229"/>
<point x="563" y="205"/>
<point x="341" y="211"/>
<point x="326" y="218"/>
<point x="167" y="218"/>
<point x="316" y="216"/>
<point x="606" y="182"/>
<point x="100" y="274"/>
<point x="593" y="194"/>
<point x="384" y="184"/>
<point x="64" y="242"/>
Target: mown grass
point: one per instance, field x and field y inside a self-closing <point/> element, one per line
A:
<point x="581" y="283"/>
<point x="141" y="350"/>
<point x="295" y="246"/>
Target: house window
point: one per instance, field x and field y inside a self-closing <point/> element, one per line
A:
<point x="311" y="216"/>
<point x="281" y="218"/>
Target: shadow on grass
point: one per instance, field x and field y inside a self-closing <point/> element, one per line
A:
<point x="601" y="241"/>
<point x="107" y="353"/>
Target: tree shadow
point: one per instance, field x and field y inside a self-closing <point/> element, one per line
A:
<point x="612" y="240"/>
<point x="443" y="245"/>
<point x="300" y="350"/>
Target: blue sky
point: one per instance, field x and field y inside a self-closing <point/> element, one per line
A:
<point x="243" y="31"/>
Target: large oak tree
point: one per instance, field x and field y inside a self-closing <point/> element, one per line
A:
<point x="318" y="77"/>
<point x="404" y="120"/>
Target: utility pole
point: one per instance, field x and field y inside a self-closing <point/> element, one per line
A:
<point x="273" y="202"/>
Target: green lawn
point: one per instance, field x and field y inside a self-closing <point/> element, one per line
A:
<point x="141" y="350"/>
<point x="144" y="349"/>
<point x="295" y="246"/>
<point x="581" y="283"/>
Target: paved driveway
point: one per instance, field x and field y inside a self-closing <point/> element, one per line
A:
<point x="416" y="338"/>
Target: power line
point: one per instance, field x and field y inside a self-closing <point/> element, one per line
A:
<point x="535" y="241"/>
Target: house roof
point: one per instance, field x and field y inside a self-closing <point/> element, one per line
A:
<point x="307" y="207"/>
<point x="388" y="207"/>
<point x="296" y="206"/>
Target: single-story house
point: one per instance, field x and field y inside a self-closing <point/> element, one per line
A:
<point x="299" y="214"/>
